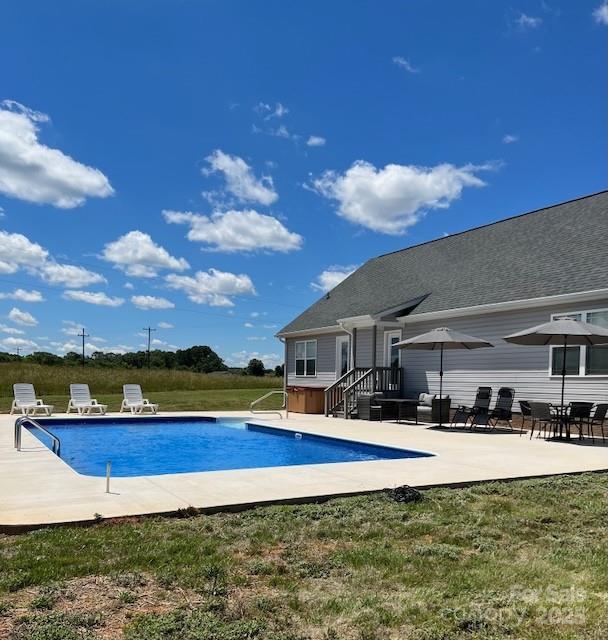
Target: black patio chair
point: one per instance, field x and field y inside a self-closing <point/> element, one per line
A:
<point x="524" y="407"/>
<point x="368" y="408"/>
<point x="480" y="407"/>
<point x="598" y="419"/>
<point x="579" y="415"/>
<point x="503" y="409"/>
<point x="543" y="418"/>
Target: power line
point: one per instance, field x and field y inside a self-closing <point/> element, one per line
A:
<point x="83" y="335"/>
<point x="149" y="330"/>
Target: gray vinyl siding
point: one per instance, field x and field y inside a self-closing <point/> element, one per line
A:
<point x="365" y="338"/>
<point x="326" y="361"/>
<point x="526" y="369"/>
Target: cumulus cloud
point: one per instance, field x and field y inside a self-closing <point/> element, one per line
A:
<point x="22" y="343"/>
<point x="316" y="141"/>
<point x="22" y="317"/>
<point x="233" y="231"/>
<point x="404" y="63"/>
<point x="151" y="302"/>
<point x="241" y="358"/>
<point x="510" y="138"/>
<point x="600" y="14"/>
<point x="165" y="325"/>
<point x="93" y="297"/>
<point x="13" y="331"/>
<point x="31" y="171"/>
<point x="69" y="275"/>
<point x="240" y="179"/>
<point x="23" y="296"/>
<point x="212" y="287"/>
<point x="525" y="21"/>
<point x="332" y="277"/>
<point x="391" y="199"/>
<point x="17" y="251"/>
<point x="139" y="256"/>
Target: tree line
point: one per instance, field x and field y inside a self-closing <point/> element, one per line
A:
<point x="199" y="358"/>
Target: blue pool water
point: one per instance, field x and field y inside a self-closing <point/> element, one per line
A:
<point x="156" y="446"/>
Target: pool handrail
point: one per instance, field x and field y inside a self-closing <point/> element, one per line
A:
<point x="56" y="447"/>
<point x="267" y="395"/>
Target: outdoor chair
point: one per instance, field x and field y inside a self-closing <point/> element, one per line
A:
<point x="82" y="403"/>
<point x="579" y="415"/>
<point x="598" y="419"/>
<point x="134" y="400"/>
<point x="478" y="413"/>
<point x="524" y="406"/>
<point x="503" y="409"/>
<point x="27" y="402"/>
<point x="543" y="418"/>
<point x="432" y="408"/>
<point x="367" y="408"/>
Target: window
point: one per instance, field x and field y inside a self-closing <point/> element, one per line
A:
<point x="306" y="358"/>
<point x="582" y="361"/>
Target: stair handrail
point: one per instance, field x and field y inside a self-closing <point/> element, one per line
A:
<point x="339" y="384"/>
<point x="267" y="395"/>
<point x="369" y="373"/>
<point x="56" y="447"/>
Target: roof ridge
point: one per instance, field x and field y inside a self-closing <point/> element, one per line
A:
<point x="489" y="224"/>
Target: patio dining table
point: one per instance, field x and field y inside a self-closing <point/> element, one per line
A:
<point x="406" y="407"/>
<point x="562" y="413"/>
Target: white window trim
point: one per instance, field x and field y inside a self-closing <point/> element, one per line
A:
<point x="295" y="359"/>
<point x="387" y="338"/>
<point x="582" y="373"/>
<point x="339" y="341"/>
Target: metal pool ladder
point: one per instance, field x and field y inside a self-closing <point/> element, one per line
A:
<point x="56" y="448"/>
<point x="267" y="395"/>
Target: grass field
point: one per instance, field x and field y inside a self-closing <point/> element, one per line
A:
<point x="173" y="390"/>
<point x="527" y="559"/>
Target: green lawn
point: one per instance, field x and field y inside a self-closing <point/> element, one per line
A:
<point x="202" y="400"/>
<point x="527" y="559"/>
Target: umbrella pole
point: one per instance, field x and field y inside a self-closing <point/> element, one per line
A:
<point x="564" y="370"/>
<point x="441" y="386"/>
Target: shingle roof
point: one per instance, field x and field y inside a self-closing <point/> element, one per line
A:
<point x="557" y="250"/>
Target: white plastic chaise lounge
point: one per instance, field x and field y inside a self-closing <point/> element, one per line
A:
<point x="27" y="402"/>
<point x="81" y="401"/>
<point x="134" y="400"/>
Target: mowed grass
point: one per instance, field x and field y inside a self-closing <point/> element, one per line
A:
<point x="173" y="390"/>
<point x="527" y="559"/>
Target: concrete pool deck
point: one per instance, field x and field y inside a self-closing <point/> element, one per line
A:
<point x="38" y="488"/>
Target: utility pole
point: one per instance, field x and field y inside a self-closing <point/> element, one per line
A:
<point x="18" y="351"/>
<point x="83" y="335"/>
<point x="149" y="330"/>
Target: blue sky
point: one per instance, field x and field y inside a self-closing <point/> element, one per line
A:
<point x="214" y="165"/>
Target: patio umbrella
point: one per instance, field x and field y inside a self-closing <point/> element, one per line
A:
<point x="563" y="332"/>
<point x="439" y="340"/>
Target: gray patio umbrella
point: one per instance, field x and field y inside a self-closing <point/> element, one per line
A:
<point x="563" y="332"/>
<point x="439" y="340"/>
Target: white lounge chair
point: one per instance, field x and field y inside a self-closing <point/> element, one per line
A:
<point x="134" y="400"/>
<point x="27" y="402"/>
<point x="81" y="401"/>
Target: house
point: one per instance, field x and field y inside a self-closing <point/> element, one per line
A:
<point x="489" y="282"/>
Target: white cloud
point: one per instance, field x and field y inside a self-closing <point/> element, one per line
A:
<point x="22" y="343"/>
<point x="71" y="345"/>
<point x="256" y="338"/>
<point x="404" y="63"/>
<point x="165" y="325"/>
<point x="93" y="297"/>
<point x="69" y="275"/>
<point x="248" y="325"/>
<point x="241" y="358"/>
<point x="240" y="179"/>
<point x="332" y="277"/>
<point x="525" y="21"/>
<point x="13" y="331"/>
<point x="510" y="138"/>
<point x="600" y="14"/>
<point x="139" y="256"/>
<point x="33" y="172"/>
<point x="151" y="302"/>
<point x="22" y="317"/>
<point x="212" y="287"/>
<point x="316" y="141"/>
<point x="23" y="296"/>
<point x="128" y="285"/>
<point x="17" y="251"/>
<point x="71" y="328"/>
<point x="268" y="111"/>
<point x="391" y="199"/>
<point x="233" y="231"/>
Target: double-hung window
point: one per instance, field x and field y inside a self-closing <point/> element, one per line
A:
<point x="306" y="358"/>
<point x="584" y="360"/>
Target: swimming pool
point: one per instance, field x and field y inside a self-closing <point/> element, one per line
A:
<point x="157" y="446"/>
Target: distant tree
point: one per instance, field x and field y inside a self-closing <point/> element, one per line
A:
<point x="278" y="370"/>
<point x="200" y="358"/>
<point x="255" y="367"/>
<point x="71" y="358"/>
<point x="43" y="357"/>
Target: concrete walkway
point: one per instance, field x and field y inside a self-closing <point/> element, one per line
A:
<point x="38" y="488"/>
